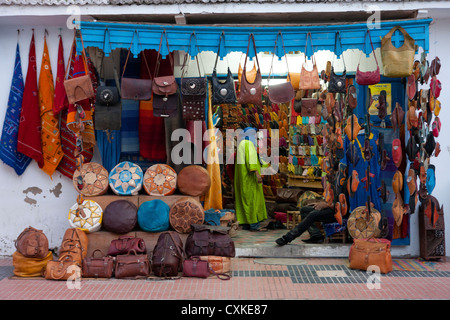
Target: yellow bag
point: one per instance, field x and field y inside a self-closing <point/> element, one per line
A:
<point x="29" y="267"/>
<point x="397" y="62"/>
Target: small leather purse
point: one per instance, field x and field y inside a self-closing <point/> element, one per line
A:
<point x="308" y="107"/>
<point x="366" y="78"/>
<point x="337" y="83"/>
<point x="136" y="89"/>
<point x="282" y="92"/>
<point x="309" y="79"/>
<point x="251" y="93"/>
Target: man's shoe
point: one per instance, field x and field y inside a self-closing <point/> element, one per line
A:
<point x="281" y="241"/>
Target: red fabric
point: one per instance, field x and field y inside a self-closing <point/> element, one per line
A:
<point x="29" y="136"/>
<point x="60" y="101"/>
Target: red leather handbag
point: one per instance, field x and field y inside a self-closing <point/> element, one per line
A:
<point x="195" y="267"/>
<point x="126" y="243"/>
<point x="366" y="78"/>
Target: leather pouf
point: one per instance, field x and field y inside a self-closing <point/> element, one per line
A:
<point x="95" y="179"/>
<point x="193" y="180"/>
<point x="125" y="179"/>
<point x="120" y="217"/>
<point x="184" y="212"/>
<point x="87" y="217"/>
<point x="29" y="267"/>
<point x="160" y="180"/>
<point x="153" y="216"/>
<point x="361" y="226"/>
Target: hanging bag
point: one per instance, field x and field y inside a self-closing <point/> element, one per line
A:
<point x="223" y="92"/>
<point x="397" y="62"/>
<point x="368" y="77"/>
<point x="79" y="88"/>
<point x="164" y="88"/>
<point x="337" y="83"/>
<point x="193" y="90"/>
<point x="309" y="80"/>
<point x="282" y="92"/>
<point x="136" y="89"/>
<point x="251" y="93"/>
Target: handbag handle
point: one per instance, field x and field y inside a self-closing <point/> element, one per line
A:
<point x="222" y="35"/>
<point x="313" y="59"/>
<point x="83" y="53"/>
<point x="367" y="33"/>
<point x="279" y="34"/>
<point x="406" y="37"/>
<point x="252" y="37"/>
<point x="184" y="67"/>
<point x="158" y="59"/>
<point x="128" y="55"/>
<point x="338" y="37"/>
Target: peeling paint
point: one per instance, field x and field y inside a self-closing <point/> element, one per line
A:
<point x="57" y="190"/>
<point x="34" y="191"/>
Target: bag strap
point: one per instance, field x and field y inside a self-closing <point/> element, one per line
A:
<point x="128" y="55"/>
<point x="221" y="276"/>
<point x="222" y="35"/>
<point x="338" y="38"/>
<point x="74" y="45"/>
<point x="313" y="59"/>
<point x="158" y="59"/>
<point x="367" y="33"/>
<point x="252" y="37"/>
<point x="184" y="67"/>
<point x="279" y="34"/>
<point x="83" y="53"/>
<point x="116" y="76"/>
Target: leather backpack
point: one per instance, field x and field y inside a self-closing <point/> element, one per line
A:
<point x="168" y="255"/>
<point x="32" y="243"/>
<point x="205" y="240"/>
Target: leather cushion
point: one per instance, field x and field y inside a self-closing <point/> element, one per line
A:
<point x="153" y="216"/>
<point x="185" y="212"/>
<point x="120" y="216"/>
<point x="193" y="180"/>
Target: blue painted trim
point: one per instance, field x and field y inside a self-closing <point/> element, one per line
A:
<point x="120" y="35"/>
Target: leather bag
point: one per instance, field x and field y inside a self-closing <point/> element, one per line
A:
<point x="74" y="245"/>
<point x="132" y="265"/>
<point x="223" y="91"/>
<point x="309" y="79"/>
<point x="371" y="252"/>
<point x="206" y="240"/>
<point x="290" y="195"/>
<point x="29" y="267"/>
<point x="136" y="89"/>
<point x="168" y="255"/>
<point x="79" y="88"/>
<point x="251" y="93"/>
<point x="366" y="78"/>
<point x="108" y="109"/>
<point x="282" y="92"/>
<point x="337" y="83"/>
<point x="62" y="269"/>
<point x="218" y="264"/>
<point x="397" y="62"/>
<point x="125" y="244"/>
<point x="164" y="88"/>
<point x="98" y="267"/>
<point x="32" y="243"/>
<point x="195" y="267"/>
<point x="308" y="107"/>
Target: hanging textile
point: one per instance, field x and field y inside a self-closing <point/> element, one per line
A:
<point x="108" y="143"/>
<point x="60" y="92"/>
<point x="29" y="139"/>
<point x="8" y="144"/>
<point x="213" y="198"/>
<point x="51" y="142"/>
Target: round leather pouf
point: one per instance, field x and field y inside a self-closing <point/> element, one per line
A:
<point x="153" y="216"/>
<point x="360" y="226"/>
<point x="95" y="179"/>
<point x="160" y="180"/>
<point x="125" y="179"/>
<point x="87" y="217"/>
<point x="120" y="216"/>
<point x="184" y="212"/>
<point x="193" y="180"/>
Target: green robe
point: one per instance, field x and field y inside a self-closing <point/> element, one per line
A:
<point x="249" y="195"/>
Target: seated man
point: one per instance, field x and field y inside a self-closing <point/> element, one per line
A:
<point x="321" y="212"/>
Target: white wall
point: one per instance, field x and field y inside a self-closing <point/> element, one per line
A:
<point x="48" y="209"/>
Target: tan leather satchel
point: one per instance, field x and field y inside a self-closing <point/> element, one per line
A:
<point x="309" y="79"/>
<point x="62" y="269"/>
<point x="74" y="245"/>
<point x="29" y="267"/>
<point x="32" y="243"/>
<point x="375" y="252"/>
<point x="397" y="62"/>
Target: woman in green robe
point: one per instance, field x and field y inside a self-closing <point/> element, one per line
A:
<point x="249" y="196"/>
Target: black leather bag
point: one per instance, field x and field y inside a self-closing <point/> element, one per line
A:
<point x="108" y="109"/>
<point x="337" y="83"/>
<point x="206" y="240"/>
<point x="223" y="92"/>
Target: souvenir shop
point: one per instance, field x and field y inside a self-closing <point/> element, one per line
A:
<point x="344" y="113"/>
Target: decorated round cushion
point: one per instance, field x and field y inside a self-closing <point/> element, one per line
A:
<point x="153" y="216"/>
<point x="87" y="217"/>
<point x="126" y="179"/>
<point x="184" y="212"/>
<point x="120" y="216"/>
<point x="360" y="226"/>
<point x="95" y="179"/>
<point x="193" y="180"/>
<point x="160" y="180"/>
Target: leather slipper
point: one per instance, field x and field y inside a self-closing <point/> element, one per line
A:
<point x="397" y="152"/>
<point x="337" y="212"/>
<point x="397" y="182"/>
<point x="411" y="87"/>
<point x="343" y="203"/>
<point x="411" y="181"/>
<point x="351" y="97"/>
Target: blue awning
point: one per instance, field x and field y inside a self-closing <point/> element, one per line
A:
<point x="109" y="36"/>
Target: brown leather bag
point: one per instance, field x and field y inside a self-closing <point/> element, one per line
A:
<point x="62" y="269"/>
<point x="371" y="252"/>
<point x="132" y="265"/>
<point x="74" y="245"/>
<point x="308" y="107"/>
<point x="168" y="255"/>
<point x="198" y="268"/>
<point x="126" y="243"/>
<point x="32" y="243"/>
<point x="98" y="267"/>
<point x="309" y="79"/>
<point x="206" y="240"/>
<point x="290" y="195"/>
<point x="251" y="93"/>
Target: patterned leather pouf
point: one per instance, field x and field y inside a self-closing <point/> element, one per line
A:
<point x="194" y="180"/>
<point x="160" y="180"/>
<point x="184" y="212"/>
<point x="95" y="179"/>
<point x="153" y="216"/>
<point x="360" y="225"/>
<point x="87" y="217"/>
<point x="126" y="178"/>
<point x="120" y="217"/>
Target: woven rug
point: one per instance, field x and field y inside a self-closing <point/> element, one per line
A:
<point x="412" y="265"/>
